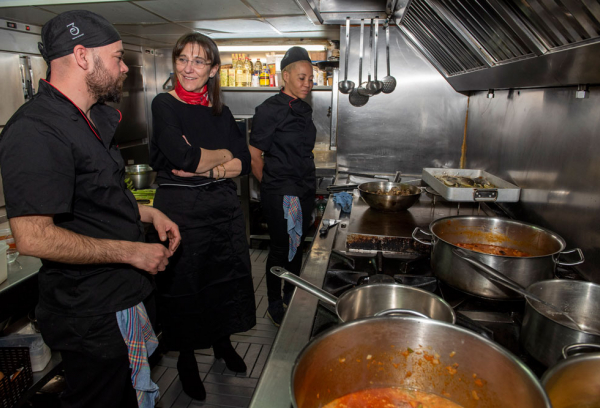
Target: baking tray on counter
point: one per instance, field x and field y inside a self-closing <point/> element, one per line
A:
<point x="504" y="192"/>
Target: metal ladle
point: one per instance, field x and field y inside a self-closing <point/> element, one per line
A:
<point x="355" y="98"/>
<point x="378" y="84"/>
<point x="389" y="82"/>
<point x="370" y="87"/>
<point x="492" y="274"/>
<point x="346" y="86"/>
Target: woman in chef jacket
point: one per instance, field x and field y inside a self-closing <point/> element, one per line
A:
<point x="281" y="144"/>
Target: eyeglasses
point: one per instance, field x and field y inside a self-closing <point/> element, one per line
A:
<point x="196" y="62"/>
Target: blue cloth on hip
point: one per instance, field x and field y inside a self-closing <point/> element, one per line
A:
<point x="292" y="212"/>
<point x="344" y="200"/>
<point x="141" y="342"/>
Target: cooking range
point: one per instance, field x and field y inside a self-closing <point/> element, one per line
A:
<point x="373" y="247"/>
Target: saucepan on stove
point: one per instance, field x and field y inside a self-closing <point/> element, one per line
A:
<point x="373" y="299"/>
<point x="558" y="312"/>
<point x="389" y="197"/>
<point x="521" y="251"/>
<point x="544" y="334"/>
<point x="404" y="361"/>
<point x="575" y="380"/>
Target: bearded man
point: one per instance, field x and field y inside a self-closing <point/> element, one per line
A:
<point x="67" y="204"/>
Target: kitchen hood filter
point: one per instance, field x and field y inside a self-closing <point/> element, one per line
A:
<point x="559" y="23"/>
<point x="488" y="28"/>
<point x="432" y="34"/>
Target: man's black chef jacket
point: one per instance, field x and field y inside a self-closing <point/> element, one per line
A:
<point x="55" y="162"/>
<point x="283" y="129"/>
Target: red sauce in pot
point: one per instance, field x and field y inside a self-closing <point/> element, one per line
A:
<point x="391" y="398"/>
<point x="494" y="249"/>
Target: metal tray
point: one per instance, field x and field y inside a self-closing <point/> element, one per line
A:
<point x="505" y="193"/>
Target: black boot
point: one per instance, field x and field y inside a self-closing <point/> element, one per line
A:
<point x="187" y="367"/>
<point x="224" y="349"/>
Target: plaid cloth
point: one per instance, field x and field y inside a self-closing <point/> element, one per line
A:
<point x="141" y="342"/>
<point x="292" y="212"/>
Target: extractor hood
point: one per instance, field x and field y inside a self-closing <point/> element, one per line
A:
<point x="491" y="44"/>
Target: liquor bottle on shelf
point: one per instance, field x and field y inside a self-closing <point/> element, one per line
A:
<point x="249" y="71"/>
<point x="240" y="75"/>
<point x="264" y="77"/>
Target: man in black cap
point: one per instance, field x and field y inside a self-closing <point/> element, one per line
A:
<point x="68" y="204"/>
<point x="281" y="143"/>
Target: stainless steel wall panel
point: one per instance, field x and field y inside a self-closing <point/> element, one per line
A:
<point x="546" y="142"/>
<point x="418" y="125"/>
<point x="12" y="86"/>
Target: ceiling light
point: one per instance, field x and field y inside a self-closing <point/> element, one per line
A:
<point x="21" y="3"/>
<point x="266" y="48"/>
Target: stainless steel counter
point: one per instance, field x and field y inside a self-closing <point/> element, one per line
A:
<point x="273" y="389"/>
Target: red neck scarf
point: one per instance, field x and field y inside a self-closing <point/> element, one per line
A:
<point x="193" y="98"/>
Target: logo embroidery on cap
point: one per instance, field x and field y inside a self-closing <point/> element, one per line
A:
<point x="74" y="31"/>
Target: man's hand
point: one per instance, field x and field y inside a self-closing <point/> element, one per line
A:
<point x="152" y="258"/>
<point x="167" y="229"/>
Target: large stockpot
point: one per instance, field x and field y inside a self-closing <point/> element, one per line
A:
<point x="545" y="247"/>
<point x="369" y="300"/>
<point x="543" y="336"/>
<point x="575" y="381"/>
<point x="389" y="203"/>
<point x="374" y="353"/>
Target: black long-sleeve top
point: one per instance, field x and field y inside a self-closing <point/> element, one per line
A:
<point x="169" y="150"/>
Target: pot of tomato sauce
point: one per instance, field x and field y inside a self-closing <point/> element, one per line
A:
<point x="523" y="252"/>
<point x="410" y="362"/>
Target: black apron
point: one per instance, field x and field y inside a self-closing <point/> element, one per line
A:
<point x="206" y="292"/>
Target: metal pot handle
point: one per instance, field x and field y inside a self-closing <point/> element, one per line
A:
<point x="566" y="351"/>
<point x="581" y="258"/>
<point x="304" y="284"/>
<point x="403" y="311"/>
<point x="414" y="235"/>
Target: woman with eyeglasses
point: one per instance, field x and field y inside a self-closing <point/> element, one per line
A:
<point x="281" y="143"/>
<point x="206" y="293"/>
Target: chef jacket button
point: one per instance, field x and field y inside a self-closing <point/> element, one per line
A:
<point x="75" y="117"/>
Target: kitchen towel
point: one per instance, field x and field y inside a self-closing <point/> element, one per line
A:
<point x="141" y="342"/>
<point x="344" y="200"/>
<point x="292" y="212"/>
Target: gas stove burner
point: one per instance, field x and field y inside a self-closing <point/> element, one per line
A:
<point x="405" y="246"/>
<point x="428" y="283"/>
<point x="378" y="278"/>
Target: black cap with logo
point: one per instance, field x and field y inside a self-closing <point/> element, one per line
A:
<point x="76" y="27"/>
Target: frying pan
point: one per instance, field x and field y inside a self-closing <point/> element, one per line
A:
<point x="371" y="300"/>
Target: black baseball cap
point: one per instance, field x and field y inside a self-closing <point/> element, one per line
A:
<point x="294" y="54"/>
<point x="61" y="34"/>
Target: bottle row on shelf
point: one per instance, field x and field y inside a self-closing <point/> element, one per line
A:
<point x="242" y="72"/>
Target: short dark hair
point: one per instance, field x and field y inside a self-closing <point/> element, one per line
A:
<point x="212" y="53"/>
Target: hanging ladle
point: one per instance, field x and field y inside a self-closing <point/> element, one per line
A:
<point x="355" y="98"/>
<point x="389" y="82"/>
<point x="378" y="84"/>
<point x="493" y="275"/>
<point x="346" y="86"/>
<point x="370" y="87"/>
